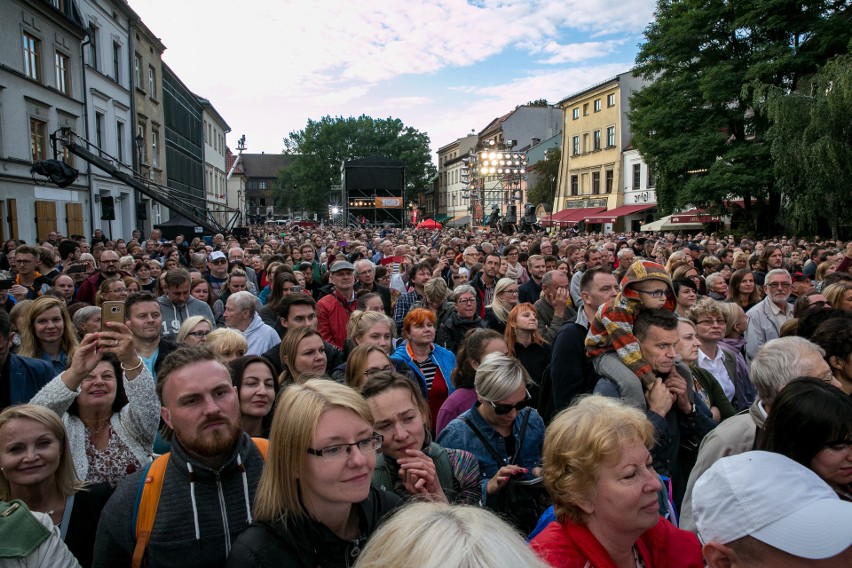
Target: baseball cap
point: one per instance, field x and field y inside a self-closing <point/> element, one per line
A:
<point x="216" y="255"/>
<point x="694" y="246"/>
<point x="341" y="265"/>
<point x="800" y="277"/>
<point x="771" y="498"/>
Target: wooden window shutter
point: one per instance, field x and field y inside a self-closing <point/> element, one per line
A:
<point x="74" y="218"/>
<point x="45" y="219"/>
<point x="13" y="218"/>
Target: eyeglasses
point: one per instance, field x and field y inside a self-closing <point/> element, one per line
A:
<point x="109" y="262"/>
<point x="512" y="292"/>
<point x="711" y="322"/>
<point x="503" y="409"/>
<point x="657" y="294"/>
<point x="219" y="261"/>
<point x="199" y="334"/>
<point x="366" y="446"/>
<point x="375" y="370"/>
<point x="776" y="285"/>
<point x="466" y="301"/>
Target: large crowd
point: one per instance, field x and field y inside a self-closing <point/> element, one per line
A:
<point x="376" y="396"/>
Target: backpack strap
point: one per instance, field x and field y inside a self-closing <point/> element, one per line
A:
<point x="148" y="499"/>
<point x="145" y="508"/>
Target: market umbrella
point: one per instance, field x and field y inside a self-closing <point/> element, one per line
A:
<point x="429" y="224"/>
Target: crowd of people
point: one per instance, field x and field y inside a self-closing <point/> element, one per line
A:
<point x="333" y="396"/>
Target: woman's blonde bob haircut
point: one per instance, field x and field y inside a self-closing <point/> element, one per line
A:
<point x="296" y="417"/>
<point x="226" y="340"/>
<point x="583" y="439"/>
<point x="361" y="321"/>
<point x="65" y="476"/>
<point x="469" y="537"/>
<point x="499" y="376"/>
<point x="188" y="325"/>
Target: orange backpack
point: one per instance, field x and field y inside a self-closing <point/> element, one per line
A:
<point x="148" y="499"/>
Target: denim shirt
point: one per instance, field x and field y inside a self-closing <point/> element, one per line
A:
<point x="458" y="435"/>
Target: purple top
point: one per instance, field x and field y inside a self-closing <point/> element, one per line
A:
<point x="457" y="403"/>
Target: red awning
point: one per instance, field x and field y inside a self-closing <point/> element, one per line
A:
<point x="613" y="214"/>
<point x="559" y="217"/>
<point x="584" y="214"/>
<point x="696" y="215"/>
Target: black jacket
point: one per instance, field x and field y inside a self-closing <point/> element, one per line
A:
<point x="384" y="294"/>
<point x="529" y="291"/>
<point x="452" y="330"/>
<point x="308" y="543"/>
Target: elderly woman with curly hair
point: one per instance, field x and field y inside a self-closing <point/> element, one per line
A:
<point x="597" y="467"/>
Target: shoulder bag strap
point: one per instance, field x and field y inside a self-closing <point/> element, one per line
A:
<point x="484" y="441"/>
<point x="523" y="432"/>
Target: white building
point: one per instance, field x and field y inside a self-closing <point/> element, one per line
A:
<point x="639" y="189"/>
<point x="215" y="171"/>
<point x="41" y="90"/>
<point x="109" y="125"/>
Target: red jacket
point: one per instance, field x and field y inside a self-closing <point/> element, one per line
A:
<point x="332" y="316"/>
<point x="572" y="545"/>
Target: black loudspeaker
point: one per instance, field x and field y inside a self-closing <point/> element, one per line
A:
<point x="107" y="208"/>
<point x="141" y="213"/>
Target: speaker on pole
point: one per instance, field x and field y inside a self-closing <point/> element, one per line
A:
<point x="107" y="208"/>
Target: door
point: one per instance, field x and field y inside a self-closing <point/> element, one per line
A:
<point x="45" y="219"/>
<point x="12" y="205"/>
<point x="74" y="218"/>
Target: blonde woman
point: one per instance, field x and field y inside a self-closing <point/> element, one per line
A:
<point x="194" y="331"/>
<point x="48" y="333"/>
<point x="839" y="295"/>
<point x="228" y="344"/>
<point x="505" y="298"/>
<point x="365" y="361"/>
<point x="315" y="505"/>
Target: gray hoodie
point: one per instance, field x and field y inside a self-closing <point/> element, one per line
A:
<point x="174" y="316"/>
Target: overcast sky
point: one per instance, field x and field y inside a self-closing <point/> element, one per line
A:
<point x="444" y="67"/>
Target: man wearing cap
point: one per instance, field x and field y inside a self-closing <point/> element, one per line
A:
<point x="334" y="309"/>
<point x="763" y="509"/>
<point x="776" y="364"/>
<point x="218" y="274"/>
<point x="801" y="285"/>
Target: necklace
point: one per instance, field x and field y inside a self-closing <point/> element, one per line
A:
<point x="96" y="431"/>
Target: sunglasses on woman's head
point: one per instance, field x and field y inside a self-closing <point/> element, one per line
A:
<point x="503" y="409"/>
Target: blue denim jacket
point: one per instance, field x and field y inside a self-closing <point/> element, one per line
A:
<point x="458" y="435"/>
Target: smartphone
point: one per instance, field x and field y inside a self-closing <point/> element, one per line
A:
<point x="111" y="311"/>
<point x="6" y="283"/>
<point x="297" y="288"/>
<point x="76" y="269"/>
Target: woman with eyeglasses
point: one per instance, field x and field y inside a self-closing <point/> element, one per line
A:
<point x="365" y="361"/>
<point x="411" y="464"/>
<point x="254" y="378"/>
<point x="500" y="430"/>
<point x="505" y="298"/>
<point x="194" y="331"/>
<point x="111" y="290"/>
<point x="315" y="505"/>
<point x="460" y="321"/>
<point x="743" y="290"/>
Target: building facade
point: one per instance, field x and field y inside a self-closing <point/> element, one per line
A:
<point x="146" y="71"/>
<point x="109" y="125"/>
<point x="451" y="193"/>
<point x="215" y="162"/>
<point x="595" y="133"/>
<point x="41" y="90"/>
<point x="261" y="175"/>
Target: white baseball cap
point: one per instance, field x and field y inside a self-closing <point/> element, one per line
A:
<point x="777" y="501"/>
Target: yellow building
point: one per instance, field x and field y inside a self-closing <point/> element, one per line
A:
<point x="595" y="134"/>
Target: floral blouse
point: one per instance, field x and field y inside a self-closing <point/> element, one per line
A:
<point x="111" y="464"/>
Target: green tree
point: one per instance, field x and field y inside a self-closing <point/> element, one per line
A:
<point x="319" y="150"/>
<point x="542" y="190"/>
<point x="811" y="142"/>
<point x="694" y="123"/>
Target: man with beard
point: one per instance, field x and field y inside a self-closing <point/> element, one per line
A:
<point x="209" y="483"/>
<point x="766" y="318"/>
<point x="108" y="268"/>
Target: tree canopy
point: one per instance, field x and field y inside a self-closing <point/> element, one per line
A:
<point x="696" y="124"/>
<point x="320" y="149"/>
<point x="542" y="190"/>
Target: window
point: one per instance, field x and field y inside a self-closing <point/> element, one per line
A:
<point x="152" y="83"/>
<point x="261" y="185"/>
<point x="38" y="139"/>
<point x="610" y="100"/>
<point x="119" y="137"/>
<point x="585" y="147"/>
<point x="596" y="183"/>
<point x="610" y="136"/>
<point x="116" y="61"/>
<point x="94" y="34"/>
<point x="608" y="178"/>
<point x="651" y="181"/>
<point x="575" y="185"/>
<point x="576" y="113"/>
<point x="637" y="176"/>
<point x="586" y="109"/>
<point x="67" y="156"/>
<point x="142" y="148"/>
<point x="63" y="73"/>
<point x="99" y="131"/>
<point x="575" y="145"/>
<point x="597" y="140"/>
<point x="206" y="133"/>
<point x="597" y="105"/>
<point x="155" y="148"/>
<point x="32" y="57"/>
<point x="137" y="70"/>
